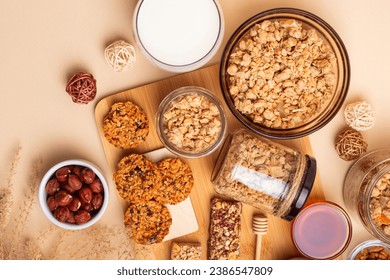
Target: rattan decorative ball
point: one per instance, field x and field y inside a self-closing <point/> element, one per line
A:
<point x="350" y="144"/>
<point x="359" y="115"/>
<point x="81" y="87"/>
<point x="120" y="55"/>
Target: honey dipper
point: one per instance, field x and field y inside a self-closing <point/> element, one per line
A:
<point x="260" y="226"/>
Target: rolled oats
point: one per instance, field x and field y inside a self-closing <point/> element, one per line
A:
<point x="373" y="253"/>
<point x="380" y="204"/>
<point x="281" y="74"/>
<point x="259" y="172"/>
<point x="186" y="251"/>
<point x="225" y="228"/>
<point x="192" y="122"/>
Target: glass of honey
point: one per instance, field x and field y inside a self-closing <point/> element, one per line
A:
<point x="322" y="230"/>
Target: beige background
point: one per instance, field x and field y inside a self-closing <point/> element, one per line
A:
<point x="44" y="42"/>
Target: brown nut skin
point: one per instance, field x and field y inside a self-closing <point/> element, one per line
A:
<point x="87" y="207"/>
<point x="62" y="213"/>
<point x="87" y="175"/>
<point x="74" y="182"/>
<point x="96" y="186"/>
<point x="63" y="173"/>
<point x="85" y="194"/>
<point x="52" y="203"/>
<point x="65" y="186"/>
<point x="97" y="201"/>
<point x="76" y="170"/>
<point x="52" y="186"/>
<point x="63" y="198"/>
<point x="81" y="217"/>
<point x="75" y="204"/>
<point x="71" y="219"/>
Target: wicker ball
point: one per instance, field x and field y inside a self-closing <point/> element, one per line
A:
<point x="350" y="144"/>
<point x="359" y="116"/>
<point x="120" y="55"/>
<point x="82" y="88"/>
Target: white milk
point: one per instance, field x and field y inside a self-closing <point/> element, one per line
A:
<point x="178" y="32"/>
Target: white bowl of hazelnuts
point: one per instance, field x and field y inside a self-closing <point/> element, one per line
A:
<point x="73" y="194"/>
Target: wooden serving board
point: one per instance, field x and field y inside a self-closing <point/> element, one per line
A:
<point x="277" y="243"/>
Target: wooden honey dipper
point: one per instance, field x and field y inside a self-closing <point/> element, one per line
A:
<point x="260" y="226"/>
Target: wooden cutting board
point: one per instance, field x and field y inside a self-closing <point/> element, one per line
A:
<point x="276" y="244"/>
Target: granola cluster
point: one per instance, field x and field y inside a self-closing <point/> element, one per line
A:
<point x="192" y="123"/>
<point x="380" y="204"/>
<point x="257" y="172"/>
<point x="225" y="228"/>
<point x="373" y="253"/>
<point x="186" y="251"/>
<point x="280" y="74"/>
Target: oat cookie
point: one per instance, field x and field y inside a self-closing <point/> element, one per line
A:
<point x="186" y="251"/>
<point x="126" y="125"/>
<point x="176" y="181"/>
<point x="147" y="222"/>
<point x="136" y="178"/>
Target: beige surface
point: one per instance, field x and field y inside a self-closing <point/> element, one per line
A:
<point x="44" y="42"/>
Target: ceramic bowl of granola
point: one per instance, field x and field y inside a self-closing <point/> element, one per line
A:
<point x="285" y="73"/>
<point x="370" y="250"/>
<point x="73" y="194"/>
<point x="191" y="122"/>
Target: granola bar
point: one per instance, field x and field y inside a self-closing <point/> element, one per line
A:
<point x="186" y="251"/>
<point x="225" y="227"/>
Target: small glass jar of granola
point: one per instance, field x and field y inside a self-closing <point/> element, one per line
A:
<point x="366" y="192"/>
<point x="265" y="174"/>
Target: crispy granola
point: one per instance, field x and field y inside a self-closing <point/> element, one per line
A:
<point x="176" y="181"/>
<point x="126" y="125"/>
<point x="373" y="253"/>
<point x="147" y="222"/>
<point x="225" y="228"/>
<point x="186" y="251"/>
<point x="136" y="178"/>
<point x="192" y="123"/>
<point x="380" y="204"/>
<point x="281" y="74"/>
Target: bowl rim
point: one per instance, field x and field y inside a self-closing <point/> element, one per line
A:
<point x="42" y="195"/>
<point x="285" y="134"/>
<point x="185" y="90"/>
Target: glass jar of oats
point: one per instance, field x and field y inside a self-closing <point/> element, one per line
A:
<point x="265" y="174"/>
<point x="366" y="192"/>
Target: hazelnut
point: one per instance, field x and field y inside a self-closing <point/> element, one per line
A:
<point x="76" y="170"/>
<point x="52" y="186"/>
<point x="62" y="173"/>
<point x="52" y="203"/>
<point x="87" y="207"/>
<point x="85" y="194"/>
<point x="62" y="213"/>
<point x="74" y="182"/>
<point x="71" y="219"/>
<point x="97" y="201"/>
<point x="96" y="186"/>
<point x="82" y="217"/>
<point x="63" y="198"/>
<point x="75" y="204"/>
<point x="87" y="175"/>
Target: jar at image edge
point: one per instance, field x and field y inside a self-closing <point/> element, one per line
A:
<point x="366" y="193"/>
<point x="262" y="173"/>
